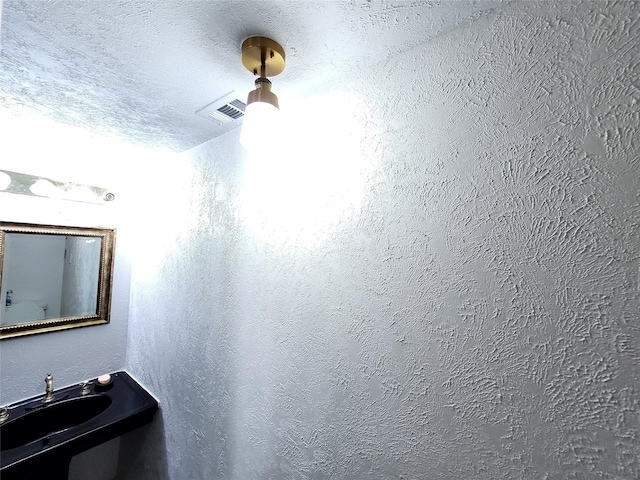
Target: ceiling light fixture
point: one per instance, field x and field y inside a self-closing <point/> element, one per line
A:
<point x="263" y="57"/>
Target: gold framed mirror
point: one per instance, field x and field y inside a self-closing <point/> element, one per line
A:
<point x="54" y="277"/>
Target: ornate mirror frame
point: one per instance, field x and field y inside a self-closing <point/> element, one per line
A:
<point x="104" y="287"/>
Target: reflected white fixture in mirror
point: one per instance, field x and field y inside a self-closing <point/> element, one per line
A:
<point x="25" y="184"/>
<point x="53" y="277"/>
<point x="265" y="58"/>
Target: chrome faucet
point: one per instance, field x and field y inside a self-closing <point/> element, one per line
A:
<point x="49" y="389"/>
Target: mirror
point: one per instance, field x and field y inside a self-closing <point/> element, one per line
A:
<point x="54" y="278"/>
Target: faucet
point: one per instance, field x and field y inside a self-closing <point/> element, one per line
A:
<point x="49" y="389"/>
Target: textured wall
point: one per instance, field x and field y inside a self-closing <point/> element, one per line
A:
<point x="70" y="355"/>
<point x="472" y="313"/>
<point x="41" y="147"/>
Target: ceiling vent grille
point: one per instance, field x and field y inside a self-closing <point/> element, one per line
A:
<point x="224" y="110"/>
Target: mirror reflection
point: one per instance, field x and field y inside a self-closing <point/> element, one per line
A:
<point x="49" y="276"/>
<point x="53" y="277"/>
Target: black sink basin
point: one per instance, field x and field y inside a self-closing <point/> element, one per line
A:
<point x="51" y="419"/>
<point x="42" y="437"/>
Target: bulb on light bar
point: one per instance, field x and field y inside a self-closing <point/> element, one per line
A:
<point x="79" y="193"/>
<point x="44" y="188"/>
<point x="5" y="180"/>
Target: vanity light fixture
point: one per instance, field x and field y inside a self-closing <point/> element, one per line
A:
<point x="25" y="184"/>
<point x="265" y="58"/>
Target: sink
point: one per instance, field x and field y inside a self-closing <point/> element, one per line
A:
<point x="51" y="419"/>
<point x="42" y="437"/>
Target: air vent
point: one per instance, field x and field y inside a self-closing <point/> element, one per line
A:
<point x="224" y="110"/>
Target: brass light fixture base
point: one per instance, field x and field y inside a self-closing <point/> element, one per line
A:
<point x="262" y="56"/>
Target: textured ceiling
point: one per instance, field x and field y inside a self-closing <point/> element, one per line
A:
<point x="140" y="69"/>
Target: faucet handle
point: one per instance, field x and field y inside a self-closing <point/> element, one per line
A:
<point x="85" y="388"/>
<point x="49" y="388"/>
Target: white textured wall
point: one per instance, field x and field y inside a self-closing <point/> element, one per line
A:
<point x="469" y="311"/>
<point x="70" y="355"/>
<point x="40" y="147"/>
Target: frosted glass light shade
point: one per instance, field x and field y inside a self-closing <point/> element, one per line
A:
<point x="26" y="184"/>
<point x="260" y="127"/>
<point x="44" y="188"/>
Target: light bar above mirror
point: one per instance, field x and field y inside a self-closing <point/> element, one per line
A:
<point x="25" y="184"/>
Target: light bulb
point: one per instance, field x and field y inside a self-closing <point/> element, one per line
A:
<point x="5" y="181"/>
<point x="260" y="127"/>
<point x="44" y="188"/>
